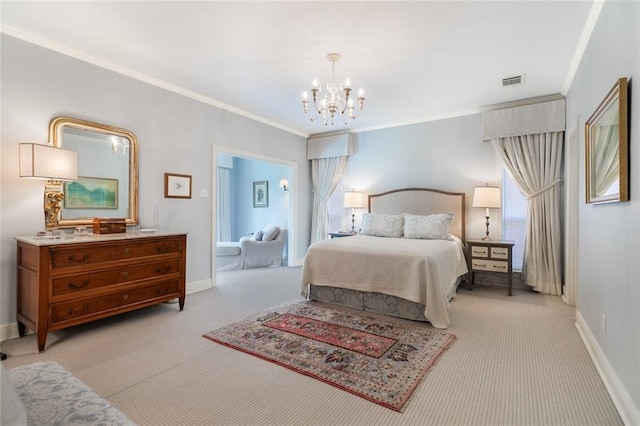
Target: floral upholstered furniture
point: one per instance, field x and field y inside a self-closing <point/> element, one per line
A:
<point x="50" y="395"/>
<point x="262" y="249"/>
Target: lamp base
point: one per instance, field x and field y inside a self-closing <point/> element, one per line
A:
<point x="487" y="237"/>
<point x="53" y="196"/>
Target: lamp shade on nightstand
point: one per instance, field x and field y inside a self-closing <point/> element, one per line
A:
<point x="353" y="200"/>
<point x="489" y="198"/>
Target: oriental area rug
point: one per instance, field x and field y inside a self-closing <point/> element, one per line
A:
<point x="373" y="357"/>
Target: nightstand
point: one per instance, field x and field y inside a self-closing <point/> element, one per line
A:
<point x="491" y="256"/>
<point x="333" y="235"/>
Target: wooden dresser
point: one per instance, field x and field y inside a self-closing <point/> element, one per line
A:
<point x="74" y="280"/>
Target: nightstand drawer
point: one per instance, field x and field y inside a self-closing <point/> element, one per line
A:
<point x="499" y="253"/>
<point x="477" y="251"/>
<point x="489" y="265"/>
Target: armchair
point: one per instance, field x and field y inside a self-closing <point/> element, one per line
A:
<point x="261" y="254"/>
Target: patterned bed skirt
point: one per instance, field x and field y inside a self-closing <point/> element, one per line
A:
<point x="373" y="302"/>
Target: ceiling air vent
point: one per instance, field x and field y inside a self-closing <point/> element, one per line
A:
<point x="513" y="81"/>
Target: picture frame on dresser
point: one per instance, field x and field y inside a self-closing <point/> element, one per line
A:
<point x="607" y="148"/>
<point x="91" y="193"/>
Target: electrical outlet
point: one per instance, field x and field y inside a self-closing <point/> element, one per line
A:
<point x="604" y="324"/>
<point x="204" y="193"/>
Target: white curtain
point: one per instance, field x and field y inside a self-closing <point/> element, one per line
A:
<point x="325" y="175"/>
<point x="223" y="223"/>
<point x="534" y="162"/>
<point x="607" y="152"/>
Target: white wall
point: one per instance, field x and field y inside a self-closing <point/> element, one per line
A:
<point x="175" y="133"/>
<point x="251" y="219"/>
<point x="445" y="154"/>
<point x="608" y="260"/>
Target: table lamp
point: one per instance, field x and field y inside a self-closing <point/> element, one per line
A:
<point x="489" y="198"/>
<point x="353" y="200"/>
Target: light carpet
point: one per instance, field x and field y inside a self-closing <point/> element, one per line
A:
<point x="374" y="358"/>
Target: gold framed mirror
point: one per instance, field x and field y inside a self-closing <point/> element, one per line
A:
<point x="107" y="184"/>
<point x="607" y="148"/>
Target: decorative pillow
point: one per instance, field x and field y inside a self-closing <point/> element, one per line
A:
<point x="270" y="232"/>
<point x="432" y="227"/>
<point x="256" y="236"/>
<point x="382" y="225"/>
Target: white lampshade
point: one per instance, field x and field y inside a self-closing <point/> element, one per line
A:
<point x="47" y="162"/>
<point x="486" y="196"/>
<point x="352" y="200"/>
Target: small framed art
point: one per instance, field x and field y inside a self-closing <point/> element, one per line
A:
<point x="91" y="193"/>
<point x="261" y="193"/>
<point x="177" y="186"/>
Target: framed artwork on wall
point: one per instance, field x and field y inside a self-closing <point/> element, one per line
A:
<point x="607" y="148"/>
<point x="261" y="193"/>
<point x="177" y="186"/>
<point x="91" y="193"/>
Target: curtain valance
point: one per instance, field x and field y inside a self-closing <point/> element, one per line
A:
<point x="330" y="146"/>
<point x="544" y="117"/>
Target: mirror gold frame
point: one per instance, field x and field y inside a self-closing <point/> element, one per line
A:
<point x="56" y="129"/>
<point x="607" y="148"/>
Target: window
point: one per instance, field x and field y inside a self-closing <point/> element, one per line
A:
<point x="514" y="216"/>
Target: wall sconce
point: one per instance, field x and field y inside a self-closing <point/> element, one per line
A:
<point x="284" y="184"/>
<point x="353" y="200"/>
<point x="54" y="164"/>
<point x="489" y="198"/>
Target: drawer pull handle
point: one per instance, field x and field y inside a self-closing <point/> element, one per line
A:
<point x="72" y="258"/>
<point x="125" y="274"/>
<point x="166" y="270"/>
<point x="499" y="267"/>
<point x="163" y="250"/>
<point x="75" y="286"/>
<point x="126" y="250"/>
<point x="125" y="296"/>
<point x="484" y="265"/>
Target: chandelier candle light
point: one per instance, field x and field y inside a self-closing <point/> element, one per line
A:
<point x="489" y="198"/>
<point x="337" y="98"/>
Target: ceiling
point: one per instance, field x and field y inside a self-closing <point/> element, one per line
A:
<point x="416" y="61"/>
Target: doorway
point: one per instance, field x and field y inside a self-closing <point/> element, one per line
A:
<point x="286" y="199"/>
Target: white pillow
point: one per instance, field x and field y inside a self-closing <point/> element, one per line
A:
<point x="382" y="225"/>
<point x="256" y="236"/>
<point x="270" y="232"/>
<point x="432" y="227"/>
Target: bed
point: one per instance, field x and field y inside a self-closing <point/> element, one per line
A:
<point x="407" y="261"/>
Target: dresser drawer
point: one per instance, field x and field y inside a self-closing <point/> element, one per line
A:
<point x="62" y="257"/>
<point x="81" y="283"/>
<point x="499" y="253"/>
<point x="98" y="306"/>
<point x="479" y="251"/>
<point x="489" y="265"/>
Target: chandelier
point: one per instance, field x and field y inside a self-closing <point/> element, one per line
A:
<point x="336" y="100"/>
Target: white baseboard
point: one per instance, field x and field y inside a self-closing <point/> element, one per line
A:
<point x="629" y="413"/>
<point x="199" y="285"/>
<point x="10" y="331"/>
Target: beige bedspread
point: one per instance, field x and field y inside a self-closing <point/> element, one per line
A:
<point x="422" y="271"/>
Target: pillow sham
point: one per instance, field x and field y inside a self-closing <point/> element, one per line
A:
<point x="270" y="232"/>
<point x="432" y="227"/>
<point x="382" y="225"/>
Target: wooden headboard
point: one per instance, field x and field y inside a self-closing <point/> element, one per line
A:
<point x="422" y="201"/>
